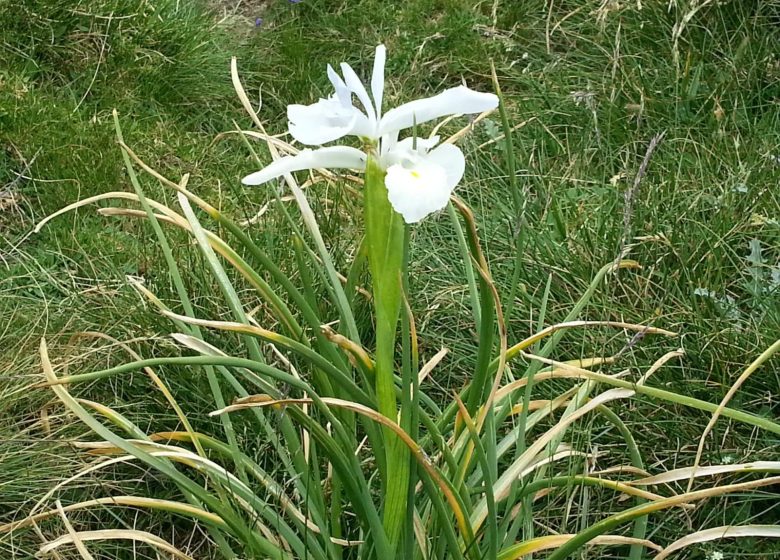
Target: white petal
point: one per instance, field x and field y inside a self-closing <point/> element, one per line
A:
<point x="342" y="91"/>
<point x="454" y="101"/>
<point x="388" y="142"/>
<point x="321" y="122"/>
<point x="378" y="78"/>
<point x="452" y="160"/>
<point x="423" y="144"/>
<point x="335" y="157"/>
<point x="417" y="190"/>
<point x="356" y="86"/>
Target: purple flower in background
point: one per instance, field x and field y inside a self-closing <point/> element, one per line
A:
<point x="294" y="1"/>
<point x="258" y="22"/>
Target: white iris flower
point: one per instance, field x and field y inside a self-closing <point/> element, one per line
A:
<point x="420" y="176"/>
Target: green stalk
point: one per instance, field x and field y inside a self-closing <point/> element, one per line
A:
<point x="355" y="270"/>
<point x="551" y="343"/>
<point x="300" y="302"/>
<point x="479" y="387"/>
<point x="410" y="398"/>
<point x="339" y="297"/>
<point x="484" y="458"/>
<point x="226" y="286"/>
<point x="517" y="199"/>
<point x="468" y="267"/>
<point x="640" y="524"/>
<point x="181" y="290"/>
<point x="253" y="539"/>
<point x="384" y="238"/>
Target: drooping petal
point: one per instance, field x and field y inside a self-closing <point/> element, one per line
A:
<point x="335" y="157"/>
<point x="416" y="189"/>
<point x="452" y="160"/>
<point x="356" y="86"/>
<point x="454" y="101"/>
<point x="323" y="121"/>
<point x="378" y="78"/>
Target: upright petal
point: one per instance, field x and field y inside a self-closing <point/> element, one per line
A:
<point x="454" y="101"/>
<point x="356" y="86"/>
<point x="378" y="78"/>
<point x="336" y="157"/>
<point x="388" y="142"/>
<point x="342" y="91"/>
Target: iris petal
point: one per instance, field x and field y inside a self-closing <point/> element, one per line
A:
<point x="356" y="86"/>
<point x="378" y="78"/>
<point x="415" y="193"/>
<point x="336" y="157"/>
<point x="342" y="91"/>
<point x="321" y="122"/>
<point x="454" y="101"/>
<point x="451" y="159"/>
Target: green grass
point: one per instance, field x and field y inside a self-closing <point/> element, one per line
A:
<point x="704" y="220"/>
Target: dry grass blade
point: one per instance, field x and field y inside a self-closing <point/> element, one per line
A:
<point x="468" y="128"/>
<point x="501" y="136"/>
<point x="727" y="531"/>
<point x="354" y="350"/>
<point x="286" y="146"/>
<point x="554" y="373"/>
<point x="734" y="388"/>
<point x="149" y="170"/>
<point x="73" y="534"/>
<point x="711" y="470"/>
<point x="231" y="326"/>
<point x="98" y="198"/>
<point x="622" y="469"/>
<point x="117" y="534"/>
<point x="89" y="470"/>
<point x="679" y="27"/>
<point x="242" y="96"/>
<point x="129" y="501"/>
<point x="548" y="542"/>
<point x="578" y="373"/>
<point x="534" y="405"/>
<point x="531" y="340"/>
<point x="157" y="381"/>
<point x="180" y="187"/>
<point x="659" y="363"/>
<point x="428" y="367"/>
<point x="198" y="345"/>
<point x="596" y="529"/>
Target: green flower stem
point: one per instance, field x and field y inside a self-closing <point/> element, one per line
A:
<point x="385" y="242"/>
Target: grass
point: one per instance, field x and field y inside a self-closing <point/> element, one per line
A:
<point x="703" y="219"/>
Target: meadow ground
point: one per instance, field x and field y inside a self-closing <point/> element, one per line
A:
<point x="587" y="84"/>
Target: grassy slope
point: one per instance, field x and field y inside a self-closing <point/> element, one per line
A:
<point x="165" y="70"/>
